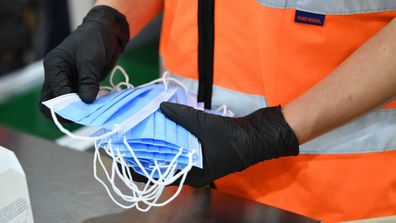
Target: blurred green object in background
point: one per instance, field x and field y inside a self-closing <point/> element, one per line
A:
<point x="21" y="112"/>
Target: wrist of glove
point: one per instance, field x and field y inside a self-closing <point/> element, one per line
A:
<point x="84" y="58"/>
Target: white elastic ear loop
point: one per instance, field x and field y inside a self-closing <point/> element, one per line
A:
<point x="168" y="180"/>
<point x="137" y="161"/>
<point x="162" y="177"/>
<point x="126" y="175"/>
<point x="122" y="162"/>
<point x="223" y="109"/>
<point x="136" y="197"/>
<point x="156" y="196"/>
<point x="116" y="129"/>
<point x="158" y="80"/>
<point x="96" y="156"/>
<point x="144" y="194"/>
<point x="184" y="173"/>
<point x="154" y="204"/>
<point x="130" y="184"/>
<point x="106" y="88"/>
<point x="114" y="171"/>
<point x="111" y="180"/>
<point x="151" y="191"/>
<point x="122" y="71"/>
<point x="141" y="166"/>
<point x="156" y="193"/>
<point x="126" y="198"/>
<point x="185" y="170"/>
<point x="165" y="79"/>
<point x="127" y="85"/>
<point x="226" y="112"/>
<point x="116" y="87"/>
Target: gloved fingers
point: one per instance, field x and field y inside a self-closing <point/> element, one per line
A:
<point x="191" y="119"/>
<point x="58" y="74"/>
<point x="57" y="81"/>
<point x="90" y="70"/>
<point x="88" y="88"/>
<point x="46" y="94"/>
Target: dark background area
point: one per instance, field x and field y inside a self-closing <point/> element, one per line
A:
<point x="29" y="29"/>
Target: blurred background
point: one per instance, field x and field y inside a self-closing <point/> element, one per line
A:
<point x="29" y="29"/>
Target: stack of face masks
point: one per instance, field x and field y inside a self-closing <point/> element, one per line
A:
<point x="134" y="133"/>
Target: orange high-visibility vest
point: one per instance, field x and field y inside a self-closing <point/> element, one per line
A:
<point x="259" y="53"/>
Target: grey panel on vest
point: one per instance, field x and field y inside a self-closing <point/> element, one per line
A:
<point x="239" y="103"/>
<point x="222" y="96"/>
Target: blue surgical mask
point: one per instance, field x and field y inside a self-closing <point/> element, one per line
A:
<point x="134" y="133"/>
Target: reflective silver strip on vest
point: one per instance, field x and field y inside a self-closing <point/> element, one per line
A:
<point x="374" y="132"/>
<point x="222" y="96"/>
<point x="333" y="6"/>
<point x="233" y="99"/>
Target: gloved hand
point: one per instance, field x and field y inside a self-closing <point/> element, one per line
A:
<point x="232" y="144"/>
<point x="83" y="59"/>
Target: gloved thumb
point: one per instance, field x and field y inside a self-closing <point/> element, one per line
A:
<point x="88" y="91"/>
<point x="88" y="86"/>
<point x="188" y="117"/>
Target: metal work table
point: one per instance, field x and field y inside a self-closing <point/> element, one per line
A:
<point x="62" y="189"/>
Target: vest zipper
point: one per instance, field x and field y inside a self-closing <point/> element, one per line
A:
<point x="205" y="51"/>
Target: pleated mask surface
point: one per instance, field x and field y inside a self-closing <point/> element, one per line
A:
<point x="157" y="139"/>
<point x="136" y="135"/>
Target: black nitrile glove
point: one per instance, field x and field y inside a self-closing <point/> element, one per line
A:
<point x="233" y="144"/>
<point x="83" y="59"/>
